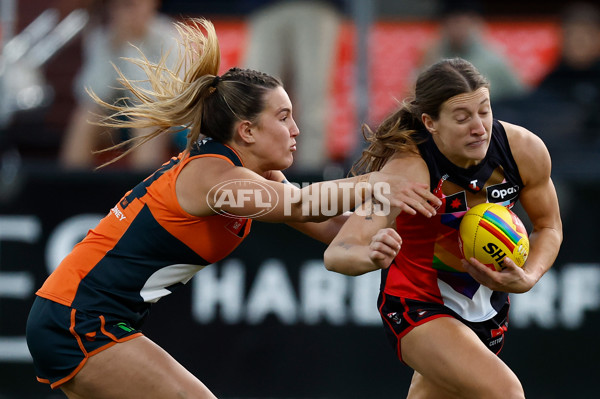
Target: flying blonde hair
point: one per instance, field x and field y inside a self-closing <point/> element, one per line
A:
<point x="189" y="96"/>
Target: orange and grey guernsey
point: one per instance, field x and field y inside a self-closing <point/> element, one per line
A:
<point x="146" y="246"/>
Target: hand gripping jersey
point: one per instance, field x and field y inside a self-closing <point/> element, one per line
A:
<point x="146" y="246"/>
<point x="428" y="268"/>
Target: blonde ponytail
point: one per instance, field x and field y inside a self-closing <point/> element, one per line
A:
<point x="172" y="103"/>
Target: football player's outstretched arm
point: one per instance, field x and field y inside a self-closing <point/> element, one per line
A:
<point x="368" y="240"/>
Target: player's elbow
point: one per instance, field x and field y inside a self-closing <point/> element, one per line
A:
<point x="329" y="259"/>
<point x="335" y="263"/>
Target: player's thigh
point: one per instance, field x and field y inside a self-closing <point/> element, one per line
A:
<point x="422" y="388"/>
<point x="137" y="368"/>
<point x="449" y="354"/>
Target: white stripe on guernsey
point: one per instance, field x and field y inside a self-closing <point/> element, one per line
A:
<point x="154" y="289"/>
<point x="477" y="309"/>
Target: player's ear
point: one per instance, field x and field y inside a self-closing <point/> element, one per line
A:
<point x="246" y="132"/>
<point x="429" y="123"/>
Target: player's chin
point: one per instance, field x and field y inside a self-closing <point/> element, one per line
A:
<point x="477" y="155"/>
<point x="282" y="166"/>
<point x="288" y="161"/>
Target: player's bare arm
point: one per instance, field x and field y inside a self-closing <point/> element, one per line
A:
<point x="365" y="242"/>
<point x="207" y="173"/>
<point x="361" y="246"/>
<point x="540" y="202"/>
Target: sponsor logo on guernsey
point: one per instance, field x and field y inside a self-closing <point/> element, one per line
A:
<point x="117" y="212"/>
<point x="473" y="185"/>
<point x="502" y="192"/>
<point x="496" y="341"/>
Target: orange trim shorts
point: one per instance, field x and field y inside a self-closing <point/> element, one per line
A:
<point x="61" y="339"/>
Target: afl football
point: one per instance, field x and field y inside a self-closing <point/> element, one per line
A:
<point x="490" y="232"/>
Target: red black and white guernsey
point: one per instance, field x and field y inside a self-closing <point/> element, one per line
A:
<point x="146" y="246"/>
<point x="428" y="267"/>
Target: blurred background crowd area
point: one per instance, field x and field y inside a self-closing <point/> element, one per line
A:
<point x="542" y="58"/>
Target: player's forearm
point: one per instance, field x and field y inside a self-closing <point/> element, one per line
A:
<point x="331" y="198"/>
<point x="323" y="231"/>
<point x="544" y="244"/>
<point x="349" y="258"/>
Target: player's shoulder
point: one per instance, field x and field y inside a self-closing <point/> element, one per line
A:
<point x="521" y="138"/>
<point x="408" y="163"/>
<point x="527" y="148"/>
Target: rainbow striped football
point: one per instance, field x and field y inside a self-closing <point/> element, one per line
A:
<point x="491" y="232"/>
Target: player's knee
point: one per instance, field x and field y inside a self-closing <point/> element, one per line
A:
<point x="505" y="388"/>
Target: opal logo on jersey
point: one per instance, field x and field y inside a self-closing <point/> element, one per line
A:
<point x="242" y="198"/>
<point x="502" y="192"/>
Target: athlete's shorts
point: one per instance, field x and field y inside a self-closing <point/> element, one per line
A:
<point x="401" y="315"/>
<point x="61" y="339"/>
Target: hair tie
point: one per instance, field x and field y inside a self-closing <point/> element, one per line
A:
<point x="215" y="81"/>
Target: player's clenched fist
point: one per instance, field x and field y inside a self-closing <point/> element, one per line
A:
<point x="384" y="247"/>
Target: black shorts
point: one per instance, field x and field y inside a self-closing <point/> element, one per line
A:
<point x="61" y="339"/>
<point x="400" y="315"/>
